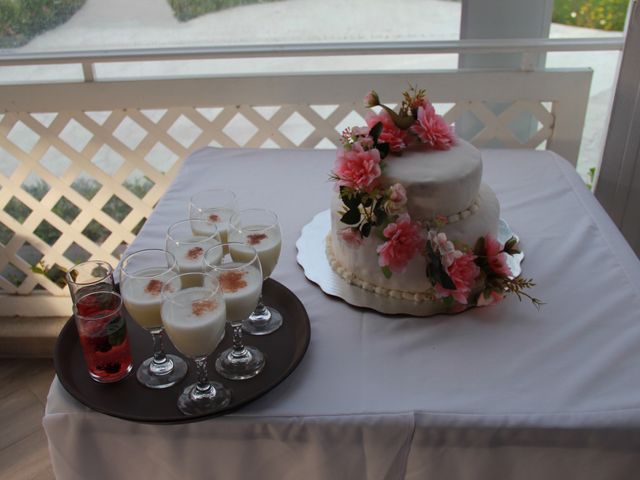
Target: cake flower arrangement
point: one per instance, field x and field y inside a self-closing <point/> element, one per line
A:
<point x="460" y="274"/>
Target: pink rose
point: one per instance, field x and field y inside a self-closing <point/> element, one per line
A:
<point x="358" y="168"/>
<point x="492" y="297"/>
<point x="351" y="236"/>
<point x="463" y="272"/>
<point x="405" y="240"/>
<point x="432" y="129"/>
<point x="496" y="258"/>
<point x="394" y="136"/>
<point x="360" y="131"/>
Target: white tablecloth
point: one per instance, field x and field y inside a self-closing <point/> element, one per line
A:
<point x="499" y="392"/>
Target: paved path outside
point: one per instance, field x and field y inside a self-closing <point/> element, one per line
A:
<point x="104" y="24"/>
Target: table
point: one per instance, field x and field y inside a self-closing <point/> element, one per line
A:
<point x="499" y="392"/>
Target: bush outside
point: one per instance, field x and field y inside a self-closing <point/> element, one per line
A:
<point x="599" y="14"/>
<point x="187" y="9"/>
<point x="21" y="20"/>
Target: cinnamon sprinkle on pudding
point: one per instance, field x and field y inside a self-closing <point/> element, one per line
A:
<point x="256" y="238"/>
<point x="200" y="307"/>
<point x="214" y="218"/>
<point x="195" y="253"/>
<point x="154" y="287"/>
<point x="231" y="282"/>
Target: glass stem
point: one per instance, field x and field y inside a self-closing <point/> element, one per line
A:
<point x="159" y="357"/>
<point x="238" y="346"/>
<point x="261" y="310"/>
<point x="203" y="384"/>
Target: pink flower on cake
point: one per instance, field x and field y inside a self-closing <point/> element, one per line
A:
<point x="490" y="297"/>
<point x="363" y="143"/>
<point x="391" y="134"/>
<point x="432" y="129"/>
<point x="358" y="168"/>
<point x="360" y="131"/>
<point x="397" y="199"/>
<point x="496" y="257"/>
<point x="351" y="236"/>
<point x="404" y="241"/>
<point x="463" y="272"/>
<point x="441" y="221"/>
<point x="397" y="194"/>
<point x="443" y="246"/>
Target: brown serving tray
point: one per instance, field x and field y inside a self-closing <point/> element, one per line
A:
<point x="130" y="400"/>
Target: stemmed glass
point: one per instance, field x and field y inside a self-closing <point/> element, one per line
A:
<point x="194" y="318"/>
<point x="260" y="229"/>
<point x="188" y="248"/>
<point x="240" y="278"/>
<point x="143" y="275"/>
<point x="215" y="206"/>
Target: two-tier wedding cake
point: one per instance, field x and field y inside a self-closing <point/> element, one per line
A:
<point x="411" y="218"/>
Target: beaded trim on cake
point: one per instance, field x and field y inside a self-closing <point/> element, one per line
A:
<point x="456" y="217"/>
<point x="353" y="279"/>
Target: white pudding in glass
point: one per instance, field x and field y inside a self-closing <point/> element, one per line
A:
<point x="217" y="218"/>
<point x="267" y="242"/>
<point x="241" y="290"/>
<point x="189" y="254"/>
<point x="194" y="321"/>
<point x="141" y="293"/>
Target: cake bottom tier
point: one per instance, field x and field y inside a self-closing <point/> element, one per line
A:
<point x="358" y="264"/>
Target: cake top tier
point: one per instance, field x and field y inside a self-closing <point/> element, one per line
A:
<point x="437" y="182"/>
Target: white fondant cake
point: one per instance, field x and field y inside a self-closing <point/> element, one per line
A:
<point x="411" y="218"/>
<point x="442" y="187"/>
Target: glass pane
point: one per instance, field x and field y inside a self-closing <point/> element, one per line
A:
<point x="33" y="26"/>
<point x="47" y="25"/>
<point x="590" y="19"/>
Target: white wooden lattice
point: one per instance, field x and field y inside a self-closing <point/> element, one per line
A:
<point x="120" y="133"/>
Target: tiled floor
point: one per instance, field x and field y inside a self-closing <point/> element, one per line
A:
<point x="24" y="384"/>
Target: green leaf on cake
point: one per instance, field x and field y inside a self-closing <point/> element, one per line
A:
<point x="436" y="272"/>
<point x="351" y="217"/>
<point x="380" y="215"/>
<point x="375" y="132"/>
<point x="403" y="121"/>
<point x="443" y="277"/>
<point x="478" y="248"/>
<point x="350" y="198"/>
<point x="365" y="230"/>
<point x="510" y="246"/>
<point x="383" y="148"/>
<point x="386" y="271"/>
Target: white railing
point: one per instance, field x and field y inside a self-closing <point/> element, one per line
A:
<point x="87" y="160"/>
<point x="529" y="48"/>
